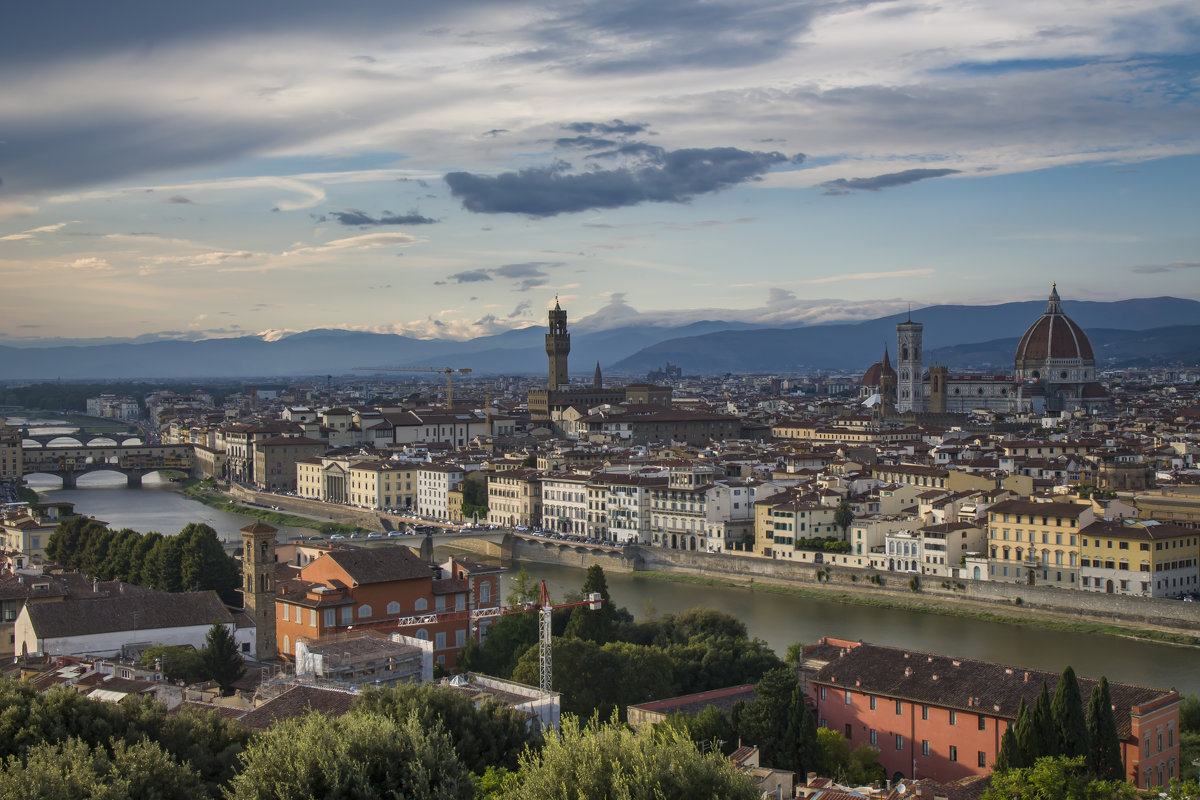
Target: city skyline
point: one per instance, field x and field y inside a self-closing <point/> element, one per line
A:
<point x="447" y="170"/>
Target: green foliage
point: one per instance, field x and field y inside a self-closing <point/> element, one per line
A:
<point x="709" y="730"/>
<point x="488" y="734"/>
<point x="475" y="497"/>
<point x="72" y="770"/>
<point x="1189" y="713"/>
<point x="611" y="762"/>
<point x="1056" y="778"/>
<point x="193" y="560"/>
<point x="1010" y="756"/>
<point x="507" y="638"/>
<point x="177" y="663"/>
<point x="824" y="544"/>
<point x="1104" y="752"/>
<point x="523" y="589"/>
<point x="1069" y="722"/>
<point x="360" y="756"/>
<point x="856" y="767"/>
<point x="843" y="517"/>
<point x="766" y="721"/>
<point x="794" y="655"/>
<point x="1045" y="732"/>
<point x="221" y="657"/>
<point x="599" y="625"/>
<point x="914" y="584"/>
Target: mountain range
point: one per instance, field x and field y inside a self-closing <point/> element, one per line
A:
<point x="1148" y="331"/>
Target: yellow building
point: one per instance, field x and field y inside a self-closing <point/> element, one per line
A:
<point x="11" y="454"/>
<point x="515" y="498"/>
<point x="1140" y="557"/>
<point x="382" y="484"/>
<point x="1036" y="543"/>
<point x="784" y="521"/>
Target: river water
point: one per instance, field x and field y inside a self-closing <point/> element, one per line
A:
<point x="777" y="619"/>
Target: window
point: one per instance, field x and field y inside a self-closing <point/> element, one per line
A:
<point x="330" y="618"/>
<point x="284" y="611"/>
<point x="982" y="759"/>
<point x="364" y="611"/>
<point x="924" y="712"/>
<point x="823" y="693"/>
<point x="872" y="703"/>
<point x="982" y="723"/>
<point x="393" y="607"/>
<point x="874" y="737"/>
<point x="460" y="638"/>
<point x="485" y="592"/>
<point x="312" y="617"/>
<point x="423" y="634"/>
<point x="287" y="645"/>
<point x="899" y="741"/>
<point x="347" y="614"/>
<point x="899" y="707"/>
<point x="924" y="747"/>
<point x="847" y="697"/>
<point x="849" y="731"/>
<point x="953" y="717"/>
<point x="421" y="604"/>
<point x="953" y="753"/>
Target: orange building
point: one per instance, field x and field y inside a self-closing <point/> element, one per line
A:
<point x="373" y="588"/>
<point x="942" y="718"/>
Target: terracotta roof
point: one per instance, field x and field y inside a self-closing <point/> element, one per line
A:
<point x="297" y="702"/>
<point x="143" y="611"/>
<point x="380" y="565"/>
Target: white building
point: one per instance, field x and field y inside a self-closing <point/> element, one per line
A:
<point x="434" y="484"/>
<point x="564" y="504"/>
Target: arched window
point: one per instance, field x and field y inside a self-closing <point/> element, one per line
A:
<point x="393" y="607"/>
<point x="421" y="604"/>
<point x="423" y="635"/>
<point x="364" y="611"/>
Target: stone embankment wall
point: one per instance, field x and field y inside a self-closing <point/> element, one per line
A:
<point x="1006" y="598"/>
<point x="362" y="518"/>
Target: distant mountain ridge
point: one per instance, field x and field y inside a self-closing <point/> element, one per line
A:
<point x="1125" y="331"/>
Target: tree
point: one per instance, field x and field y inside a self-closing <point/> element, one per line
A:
<point x="611" y="762"/>
<point x="1010" y="756"/>
<point x="71" y="770"/>
<point x="1056" y="778"/>
<point x="1069" y="721"/>
<point x="598" y="625"/>
<point x="843" y="516"/>
<point x="1189" y="714"/>
<point x="177" y="663"/>
<point x="794" y="656"/>
<point x="1026" y="741"/>
<point x="360" y="755"/>
<point x="221" y="657"/>
<point x="522" y="589"/>
<point x="1104" y="753"/>
<point x="1045" y="732"/>
<point x="765" y="721"/>
<point x="489" y="734"/>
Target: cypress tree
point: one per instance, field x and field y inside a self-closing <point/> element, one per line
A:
<point x="1009" y="756"/>
<point x="1023" y="732"/>
<point x="1104" y="751"/>
<point x="1069" y="720"/>
<point x="1044" y="732"/>
<point x="809" y="756"/>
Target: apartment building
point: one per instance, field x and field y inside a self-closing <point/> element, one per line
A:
<point x="1139" y="557"/>
<point x="620" y="504"/>
<point x="276" y="459"/>
<point x="382" y="484"/>
<point x="435" y="482"/>
<point x="565" y="503"/>
<point x="1031" y="542"/>
<point x="515" y="498"/>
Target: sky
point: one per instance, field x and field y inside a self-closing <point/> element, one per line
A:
<point x="446" y="170"/>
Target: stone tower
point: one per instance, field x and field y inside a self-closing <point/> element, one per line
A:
<point x="558" y="347"/>
<point x="937" y="389"/>
<point x="887" y="387"/>
<point x="910" y="390"/>
<point x="258" y="585"/>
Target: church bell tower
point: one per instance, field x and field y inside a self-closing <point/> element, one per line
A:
<point x="910" y="389"/>
<point x="558" y="347"/>
<point x="258" y="586"/>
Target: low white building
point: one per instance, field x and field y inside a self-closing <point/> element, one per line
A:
<point x="136" y="616"/>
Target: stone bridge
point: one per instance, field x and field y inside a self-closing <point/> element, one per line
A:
<point x="132" y="461"/>
<point x="83" y="439"/>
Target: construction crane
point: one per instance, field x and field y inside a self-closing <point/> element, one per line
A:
<point x="543" y="606"/>
<point x="447" y="371"/>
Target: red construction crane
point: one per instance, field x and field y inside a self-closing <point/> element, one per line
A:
<point x="544" y="606"/>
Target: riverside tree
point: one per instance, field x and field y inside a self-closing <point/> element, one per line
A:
<point x="1069" y="721"/>
<point x="1104" y="753"/>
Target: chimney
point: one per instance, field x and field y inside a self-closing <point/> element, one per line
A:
<point x="1027" y="677"/>
<point x="907" y="671"/>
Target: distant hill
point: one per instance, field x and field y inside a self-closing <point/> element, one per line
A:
<point x="1165" y="328"/>
<point x="849" y="346"/>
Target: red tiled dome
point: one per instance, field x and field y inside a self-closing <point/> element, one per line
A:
<point x="1054" y="336"/>
<point x="874" y="374"/>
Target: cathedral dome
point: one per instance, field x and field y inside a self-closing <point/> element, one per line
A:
<point x="874" y="374"/>
<point x="1054" y="337"/>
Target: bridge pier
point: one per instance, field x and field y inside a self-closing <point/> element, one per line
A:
<point x="68" y="479"/>
<point x="133" y="480"/>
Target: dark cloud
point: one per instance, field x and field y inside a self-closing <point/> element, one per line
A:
<point x="526" y="275"/>
<point x="886" y="181"/>
<point x="635" y="149"/>
<point x="356" y="217"/>
<point x="495" y="132"/>
<point x="1155" y="269"/>
<point x="521" y="308"/>
<point x="674" y="176"/>
<point x="470" y="276"/>
<point x="584" y="142"/>
<point x="180" y="200"/>
<point x="615" y="128"/>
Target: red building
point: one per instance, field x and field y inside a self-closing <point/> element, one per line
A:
<point x="368" y="588"/>
<point x="942" y="718"/>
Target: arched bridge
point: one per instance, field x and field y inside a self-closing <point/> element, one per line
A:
<point x="133" y="461"/>
<point x="84" y="439"/>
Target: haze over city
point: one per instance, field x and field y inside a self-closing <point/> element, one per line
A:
<point x="445" y="170"/>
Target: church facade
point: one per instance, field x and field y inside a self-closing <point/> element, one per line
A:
<point x="1054" y="370"/>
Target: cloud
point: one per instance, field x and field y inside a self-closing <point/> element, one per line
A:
<point x="179" y="199"/>
<point x="356" y="217"/>
<point x="615" y="128"/>
<point x="522" y="307"/>
<point x="526" y="275"/>
<point x="583" y="142"/>
<point x="12" y="210"/>
<point x="32" y="233"/>
<point x="675" y="176"/>
<point x="1174" y="266"/>
<point x="91" y="263"/>
<point x="886" y="181"/>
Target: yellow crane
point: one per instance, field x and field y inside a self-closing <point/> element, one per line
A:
<point x="447" y="371"/>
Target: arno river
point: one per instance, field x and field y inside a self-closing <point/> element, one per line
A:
<point x="779" y="619"/>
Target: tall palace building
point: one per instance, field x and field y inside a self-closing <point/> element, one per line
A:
<point x="1054" y="369"/>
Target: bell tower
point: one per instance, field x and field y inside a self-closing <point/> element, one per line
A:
<point x="910" y="390"/>
<point x="558" y="347"/>
<point x="258" y="586"/>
